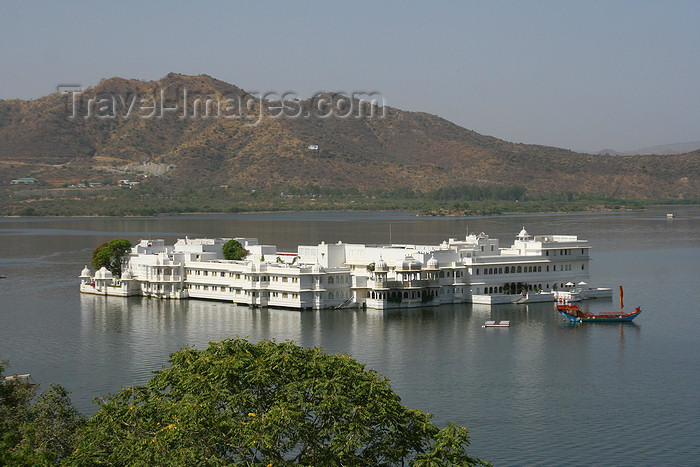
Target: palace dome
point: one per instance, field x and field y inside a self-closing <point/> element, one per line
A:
<point x="433" y="263"/>
<point x="103" y="273"/>
<point x="409" y="263"/>
<point x="380" y="266"/>
<point x="523" y="234"/>
<point x="85" y="272"/>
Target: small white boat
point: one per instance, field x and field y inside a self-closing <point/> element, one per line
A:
<point x="24" y="380"/>
<point x="496" y="324"/>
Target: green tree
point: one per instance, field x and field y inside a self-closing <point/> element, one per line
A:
<point x="234" y="250"/>
<point x="111" y="255"/>
<point x="265" y="404"/>
<point x="35" y="429"/>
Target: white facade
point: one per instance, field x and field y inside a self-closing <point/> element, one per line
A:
<point x="475" y="269"/>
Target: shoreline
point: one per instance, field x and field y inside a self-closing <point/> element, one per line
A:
<point x="440" y="212"/>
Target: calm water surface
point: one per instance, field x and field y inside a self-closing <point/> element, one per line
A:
<point x="541" y="392"/>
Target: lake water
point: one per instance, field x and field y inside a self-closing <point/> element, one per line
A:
<point x="541" y="392"/>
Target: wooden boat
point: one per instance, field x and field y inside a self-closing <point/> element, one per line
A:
<point x="496" y="324"/>
<point x="574" y="314"/>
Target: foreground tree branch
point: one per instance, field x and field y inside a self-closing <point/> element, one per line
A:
<point x="266" y="403"/>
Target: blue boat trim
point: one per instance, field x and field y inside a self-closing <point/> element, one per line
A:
<point x="574" y="314"/>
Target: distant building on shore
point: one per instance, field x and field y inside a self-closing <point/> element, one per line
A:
<point x="24" y="181"/>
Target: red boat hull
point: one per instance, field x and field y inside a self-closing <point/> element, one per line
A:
<point x="574" y="314"/>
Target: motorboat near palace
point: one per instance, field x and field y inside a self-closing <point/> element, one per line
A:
<point x="496" y="324"/>
<point x="574" y="314"/>
<point x="473" y="269"/>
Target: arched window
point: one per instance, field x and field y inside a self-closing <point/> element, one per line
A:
<point x="539" y="268"/>
<point x="405" y="295"/>
<point x="520" y="269"/>
<point x="500" y="270"/>
<point x="330" y="295"/>
<point x="507" y="270"/>
<point x="500" y="289"/>
<point x="330" y="279"/>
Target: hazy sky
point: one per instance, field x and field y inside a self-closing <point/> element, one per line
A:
<point x="584" y="75"/>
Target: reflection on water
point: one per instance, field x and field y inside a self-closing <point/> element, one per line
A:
<point x="631" y="390"/>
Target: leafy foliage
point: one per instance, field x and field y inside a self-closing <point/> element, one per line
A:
<point x="472" y="192"/>
<point x="234" y="250"/>
<point x="265" y="404"/>
<point x="111" y="255"/>
<point x="35" y="429"/>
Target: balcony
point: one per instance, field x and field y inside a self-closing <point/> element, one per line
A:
<point x="413" y="284"/>
<point x="164" y="278"/>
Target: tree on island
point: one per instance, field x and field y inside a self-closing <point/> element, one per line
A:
<point x="35" y="429"/>
<point x="111" y="255"/>
<point x="234" y="250"/>
<point x="265" y="404"/>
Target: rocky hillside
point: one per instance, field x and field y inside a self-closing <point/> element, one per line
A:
<point x="65" y="138"/>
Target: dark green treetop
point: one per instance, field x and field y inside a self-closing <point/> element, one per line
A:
<point x="265" y="404"/>
<point x="234" y="250"/>
<point x="111" y="255"/>
<point x="35" y="429"/>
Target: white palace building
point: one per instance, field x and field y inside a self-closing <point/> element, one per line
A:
<point x="343" y="275"/>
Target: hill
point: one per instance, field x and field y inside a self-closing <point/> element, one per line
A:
<point x="661" y="150"/>
<point x="122" y="133"/>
